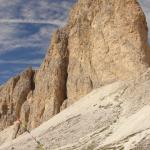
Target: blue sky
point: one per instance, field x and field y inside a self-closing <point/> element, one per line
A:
<point x="25" y="31"/>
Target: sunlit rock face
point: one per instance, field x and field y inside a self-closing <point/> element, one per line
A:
<point x="107" y="42"/>
<point x="13" y="95"/>
<point x="104" y="41"/>
<point x="112" y="117"/>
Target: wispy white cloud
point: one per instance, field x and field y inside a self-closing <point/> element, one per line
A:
<point x="32" y="21"/>
<point x="16" y="12"/>
<point x="5" y="72"/>
<point x="28" y="25"/>
<point x="10" y="38"/>
<point x="27" y="62"/>
<point x="46" y="9"/>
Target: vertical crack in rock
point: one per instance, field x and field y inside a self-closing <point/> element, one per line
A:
<point x="50" y="81"/>
<point x="33" y="81"/>
<point x="62" y="40"/>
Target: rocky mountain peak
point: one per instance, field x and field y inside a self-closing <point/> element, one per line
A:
<point x="103" y="41"/>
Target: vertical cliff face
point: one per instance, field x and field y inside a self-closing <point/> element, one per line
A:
<point x="107" y="42"/>
<point x="50" y="81"/>
<point x="13" y="95"/>
<point x="103" y="41"/>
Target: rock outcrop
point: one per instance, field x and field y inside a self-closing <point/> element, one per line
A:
<point x="50" y="80"/>
<point x="113" y="117"/>
<point x="107" y="42"/>
<point x="104" y="41"/>
<point x="13" y="96"/>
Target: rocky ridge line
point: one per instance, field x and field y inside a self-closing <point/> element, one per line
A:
<point x="104" y="41"/>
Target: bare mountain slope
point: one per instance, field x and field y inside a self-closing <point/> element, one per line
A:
<point x="103" y="41"/>
<point x="115" y="116"/>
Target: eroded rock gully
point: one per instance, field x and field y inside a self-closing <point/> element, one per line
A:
<point x="103" y="41"/>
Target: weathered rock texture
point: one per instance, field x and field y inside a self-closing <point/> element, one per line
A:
<point x="50" y="81"/>
<point x="113" y="117"/>
<point x="107" y="41"/>
<point x="13" y="96"/>
<point x="103" y="41"/>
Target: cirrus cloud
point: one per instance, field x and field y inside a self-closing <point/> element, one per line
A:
<point x="25" y="31"/>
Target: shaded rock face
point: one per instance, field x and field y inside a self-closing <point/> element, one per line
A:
<point x="50" y="81"/>
<point x="13" y="95"/>
<point x="103" y="41"/>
